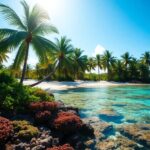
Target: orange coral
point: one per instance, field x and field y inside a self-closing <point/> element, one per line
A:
<point x="40" y="106"/>
<point x="67" y="122"/>
<point x="6" y="129"/>
<point x="63" y="147"/>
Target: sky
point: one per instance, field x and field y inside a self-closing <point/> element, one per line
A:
<point x="95" y="25"/>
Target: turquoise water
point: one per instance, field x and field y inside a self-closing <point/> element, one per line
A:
<point x="131" y="102"/>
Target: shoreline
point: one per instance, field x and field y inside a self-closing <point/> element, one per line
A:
<point x="66" y="85"/>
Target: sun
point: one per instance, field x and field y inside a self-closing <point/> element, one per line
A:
<point x="50" y="5"/>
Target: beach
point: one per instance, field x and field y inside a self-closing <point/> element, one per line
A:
<point x="65" y="85"/>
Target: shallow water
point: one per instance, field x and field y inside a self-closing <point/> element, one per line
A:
<point x="132" y="103"/>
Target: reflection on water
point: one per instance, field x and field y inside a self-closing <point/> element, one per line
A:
<point x="132" y="102"/>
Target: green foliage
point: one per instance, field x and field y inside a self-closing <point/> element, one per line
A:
<point x="14" y="96"/>
<point x="95" y="77"/>
<point x="25" y="130"/>
<point x="43" y="95"/>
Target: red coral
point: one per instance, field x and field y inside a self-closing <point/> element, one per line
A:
<point x="41" y="106"/>
<point x="6" y="129"/>
<point x="67" y="122"/>
<point x="43" y="116"/>
<point x="63" y="147"/>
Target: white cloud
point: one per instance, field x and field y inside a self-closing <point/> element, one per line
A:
<point x="98" y="50"/>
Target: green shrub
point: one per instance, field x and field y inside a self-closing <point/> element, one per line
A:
<point x="14" y="96"/>
<point x="42" y="95"/>
<point x="24" y="130"/>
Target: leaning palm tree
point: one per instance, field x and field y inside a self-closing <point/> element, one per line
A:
<point x="79" y="62"/>
<point x="108" y="61"/>
<point x="62" y="55"/>
<point x="98" y="63"/>
<point x="29" y="31"/>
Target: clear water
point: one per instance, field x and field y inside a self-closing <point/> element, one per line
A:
<point x="132" y="102"/>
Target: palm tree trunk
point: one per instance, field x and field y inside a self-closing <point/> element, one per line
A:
<point x="50" y="74"/>
<point x="25" y="64"/>
<point x="99" y="73"/>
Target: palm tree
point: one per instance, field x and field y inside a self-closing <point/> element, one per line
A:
<point x="91" y="64"/>
<point x="98" y="63"/>
<point x="3" y="57"/>
<point x="133" y="69"/>
<point x="146" y="59"/>
<point x="126" y="58"/>
<point x="79" y="62"/>
<point x="62" y="54"/>
<point x="118" y="68"/>
<point x="30" y="31"/>
<point x="108" y="61"/>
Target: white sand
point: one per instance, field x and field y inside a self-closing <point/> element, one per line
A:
<point x="55" y="85"/>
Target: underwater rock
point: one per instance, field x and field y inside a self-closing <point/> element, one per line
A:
<point x="138" y="132"/>
<point x="110" y="115"/>
<point x="101" y="129"/>
<point x="120" y="143"/>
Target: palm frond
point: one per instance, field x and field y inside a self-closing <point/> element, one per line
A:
<point x="12" y="41"/>
<point x="36" y="17"/>
<point x="6" y="32"/>
<point x="44" y="28"/>
<point x="11" y="16"/>
<point x="42" y="46"/>
<point x="26" y="11"/>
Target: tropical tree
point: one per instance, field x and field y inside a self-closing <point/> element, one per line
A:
<point x="118" y="70"/>
<point x="62" y="55"/>
<point x="91" y="65"/>
<point x="145" y="59"/>
<point x="29" y="31"/>
<point x="108" y="61"/>
<point x="126" y="59"/>
<point x="79" y="62"/>
<point x="133" y="69"/>
<point x="3" y="57"/>
<point x="98" y="63"/>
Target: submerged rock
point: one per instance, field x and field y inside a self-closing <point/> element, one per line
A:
<point x="118" y="143"/>
<point x="138" y="132"/>
<point x="110" y="115"/>
<point x="101" y="129"/>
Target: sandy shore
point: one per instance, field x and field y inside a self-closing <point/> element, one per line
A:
<point x="55" y="85"/>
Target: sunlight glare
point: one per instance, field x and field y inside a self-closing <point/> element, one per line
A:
<point x="51" y="5"/>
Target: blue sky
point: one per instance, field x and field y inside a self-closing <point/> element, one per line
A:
<point x="116" y="25"/>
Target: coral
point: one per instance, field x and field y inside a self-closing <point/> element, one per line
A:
<point x="43" y="116"/>
<point x="138" y="132"/>
<point x="25" y="130"/>
<point x="6" y="129"/>
<point x="41" y="106"/>
<point x="67" y="122"/>
<point x="63" y="147"/>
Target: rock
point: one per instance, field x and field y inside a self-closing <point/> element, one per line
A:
<point x="20" y="146"/>
<point x="87" y="129"/>
<point x="101" y="129"/>
<point x="9" y="147"/>
<point x="55" y="141"/>
<point x="46" y="142"/>
<point x="110" y="115"/>
<point x="90" y="144"/>
<point x="38" y="147"/>
<point x="138" y="132"/>
<point x="119" y="143"/>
